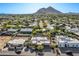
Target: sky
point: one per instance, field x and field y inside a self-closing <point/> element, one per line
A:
<point x="28" y="8"/>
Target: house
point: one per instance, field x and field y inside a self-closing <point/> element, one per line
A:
<point x="18" y="43"/>
<point x="50" y="26"/>
<point x="65" y="41"/>
<point x="26" y="30"/>
<point x="12" y="30"/>
<point x="74" y="30"/>
<point x="33" y="24"/>
<point x="67" y="27"/>
<point x="40" y="40"/>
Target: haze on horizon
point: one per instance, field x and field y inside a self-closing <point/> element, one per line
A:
<point x="28" y="8"/>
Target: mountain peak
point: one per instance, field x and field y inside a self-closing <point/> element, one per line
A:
<point x="49" y="10"/>
<point x="49" y="7"/>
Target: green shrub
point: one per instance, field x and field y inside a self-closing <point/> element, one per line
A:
<point x="40" y="47"/>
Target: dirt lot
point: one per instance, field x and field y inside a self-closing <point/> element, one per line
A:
<point x="4" y="40"/>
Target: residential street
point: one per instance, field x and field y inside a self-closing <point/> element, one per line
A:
<point x="47" y="52"/>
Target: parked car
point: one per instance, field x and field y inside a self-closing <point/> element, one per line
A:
<point x="18" y="49"/>
<point x="69" y="53"/>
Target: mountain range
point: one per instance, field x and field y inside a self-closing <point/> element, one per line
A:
<point x="49" y="10"/>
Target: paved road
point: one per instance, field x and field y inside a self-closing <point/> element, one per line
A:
<point x="12" y="53"/>
<point x="47" y="52"/>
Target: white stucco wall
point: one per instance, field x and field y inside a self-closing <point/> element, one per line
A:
<point x="68" y="44"/>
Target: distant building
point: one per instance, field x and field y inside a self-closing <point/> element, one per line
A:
<point x="67" y="27"/>
<point x="33" y="24"/>
<point x="26" y="30"/>
<point x="74" y="30"/>
<point x="50" y="26"/>
<point x="12" y="30"/>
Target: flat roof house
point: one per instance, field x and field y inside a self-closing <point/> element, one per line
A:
<point x="33" y="24"/>
<point x="12" y="30"/>
<point x="25" y="31"/>
<point x="40" y="40"/>
<point x="18" y="43"/>
<point x="65" y="41"/>
<point x="74" y="30"/>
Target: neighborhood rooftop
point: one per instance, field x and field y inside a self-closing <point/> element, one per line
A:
<point x="16" y="41"/>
